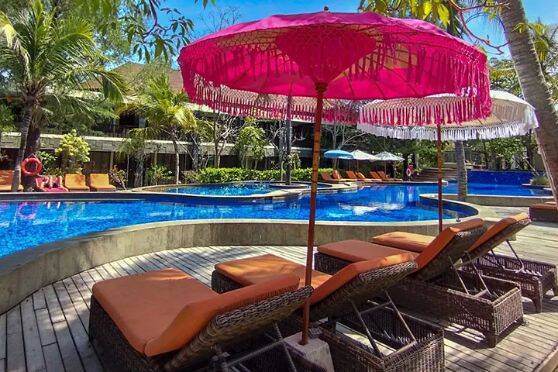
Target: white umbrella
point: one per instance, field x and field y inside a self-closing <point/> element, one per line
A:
<point x="361" y="155"/>
<point x="387" y="156"/>
<point x="511" y="116"/>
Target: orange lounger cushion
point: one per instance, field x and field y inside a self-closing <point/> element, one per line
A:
<point x="161" y="311"/>
<point x="75" y="182"/>
<point x="404" y="240"/>
<point x="498" y="227"/>
<point x="351" y="175"/>
<point x="358" y="250"/>
<point x="100" y="182"/>
<point x="545" y="206"/>
<point x="257" y="269"/>
<point x="6" y="177"/>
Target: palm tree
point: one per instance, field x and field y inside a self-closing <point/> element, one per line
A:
<point x="166" y="113"/>
<point x="48" y="60"/>
<point x="533" y="84"/>
<point x="135" y="146"/>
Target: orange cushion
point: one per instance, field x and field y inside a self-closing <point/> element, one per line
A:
<point x="358" y="250"/>
<point x="100" y="181"/>
<point x="6" y="177"/>
<point x="253" y="270"/>
<point x="335" y="174"/>
<point x="325" y="176"/>
<point x="144" y="305"/>
<point x="257" y="269"/>
<point x="75" y="182"/>
<point x="195" y="316"/>
<point x="360" y="175"/>
<point x="444" y="238"/>
<point x="545" y="206"/>
<point x="351" y="175"/>
<point x="404" y="240"/>
<point x="498" y="227"/>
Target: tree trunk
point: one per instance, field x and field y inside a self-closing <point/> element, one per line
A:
<point x="461" y="171"/>
<point x="24" y="130"/>
<point x="405" y="165"/>
<point x="33" y="146"/>
<point x="177" y="161"/>
<point x="138" y="174"/>
<point x="533" y="85"/>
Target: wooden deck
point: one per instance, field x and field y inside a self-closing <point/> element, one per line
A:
<point x="48" y="330"/>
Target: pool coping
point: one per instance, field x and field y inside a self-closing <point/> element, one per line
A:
<point x="24" y="272"/>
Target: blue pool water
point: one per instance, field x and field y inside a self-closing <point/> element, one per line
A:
<point x="475" y="188"/>
<point x="224" y="190"/>
<point x="26" y="224"/>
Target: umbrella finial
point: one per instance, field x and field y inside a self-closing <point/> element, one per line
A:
<point x="326" y="8"/>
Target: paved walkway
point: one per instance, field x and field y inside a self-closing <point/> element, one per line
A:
<point x="48" y="330"/>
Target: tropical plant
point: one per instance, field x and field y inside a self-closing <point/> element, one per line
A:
<point x="73" y="151"/>
<point x="166" y="113"/>
<point x="250" y="143"/>
<point x="6" y="123"/>
<point x="220" y="175"/>
<point x="51" y="163"/>
<point x="134" y="146"/>
<point x="158" y="174"/>
<point x="48" y="58"/>
<point x="539" y="181"/>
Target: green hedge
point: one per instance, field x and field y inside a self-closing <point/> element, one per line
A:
<point x="220" y="175"/>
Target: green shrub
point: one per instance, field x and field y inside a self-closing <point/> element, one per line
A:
<point x="220" y="175"/>
<point x="540" y="181"/>
<point x="158" y="174"/>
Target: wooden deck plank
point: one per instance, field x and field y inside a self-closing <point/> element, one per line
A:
<point x="15" y="355"/>
<point x="3" y="336"/>
<point x="32" y="341"/>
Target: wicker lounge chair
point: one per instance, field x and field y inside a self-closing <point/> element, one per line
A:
<point x="344" y="297"/>
<point x="385" y="177"/>
<point x="362" y="177"/>
<point x="75" y="182"/>
<point x="544" y="212"/>
<point x="168" y="321"/>
<point x="437" y="288"/>
<point x="535" y="278"/>
<point x="100" y="182"/>
<point x="354" y="177"/>
<point x="6" y="177"/>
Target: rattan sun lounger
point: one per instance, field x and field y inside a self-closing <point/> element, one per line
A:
<point x="437" y="289"/>
<point x="100" y="182"/>
<point x="535" y="278"/>
<point x="168" y="321"/>
<point x="345" y="298"/>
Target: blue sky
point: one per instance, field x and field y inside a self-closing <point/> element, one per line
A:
<point x="546" y="10"/>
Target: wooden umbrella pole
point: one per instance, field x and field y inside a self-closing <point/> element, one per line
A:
<point x="440" y="160"/>
<point x="320" y="89"/>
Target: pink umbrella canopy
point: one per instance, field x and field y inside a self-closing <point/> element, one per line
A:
<point x="360" y="56"/>
<point x="253" y="68"/>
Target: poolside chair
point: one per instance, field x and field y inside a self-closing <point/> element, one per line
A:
<point x="100" y="182"/>
<point x="337" y="176"/>
<point x="437" y="288"/>
<point x="6" y="177"/>
<point x="385" y="177"/>
<point x="544" y="212"/>
<point x="168" y="321"/>
<point x="326" y="177"/>
<point x="535" y="278"/>
<point x="351" y="175"/>
<point x="75" y="182"/>
<point x="362" y="177"/>
<point x="345" y="298"/>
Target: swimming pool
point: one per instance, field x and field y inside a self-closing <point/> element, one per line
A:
<point x="233" y="189"/>
<point x="495" y="189"/>
<point x="27" y="224"/>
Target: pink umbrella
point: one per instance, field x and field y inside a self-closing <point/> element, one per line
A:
<point x="344" y="56"/>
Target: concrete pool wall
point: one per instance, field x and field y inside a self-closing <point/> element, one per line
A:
<point x="24" y="272"/>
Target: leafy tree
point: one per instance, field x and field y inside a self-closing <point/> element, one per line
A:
<point x="48" y="59"/>
<point x="73" y="151"/>
<point x="158" y="174"/>
<point x="250" y="143"/>
<point x="6" y="123"/>
<point x="166" y="113"/>
<point x="220" y="130"/>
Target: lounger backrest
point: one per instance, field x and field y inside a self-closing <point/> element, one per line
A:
<point x="74" y="180"/>
<point x="99" y="179"/>
<point x="357" y="283"/>
<point x="351" y="175"/>
<point x="6" y="177"/>
<point x="498" y="233"/>
<point x="448" y="248"/>
<point x="360" y="175"/>
<point x="202" y="325"/>
<point x="382" y="175"/>
<point x="375" y="175"/>
<point x="335" y="174"/>
<point x="325" y="176"/>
